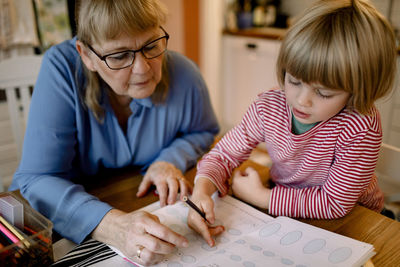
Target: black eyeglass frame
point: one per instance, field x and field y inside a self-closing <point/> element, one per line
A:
<point x="103" y="58"/>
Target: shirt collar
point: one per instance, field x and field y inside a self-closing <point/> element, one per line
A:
<point x="146" y="102"/>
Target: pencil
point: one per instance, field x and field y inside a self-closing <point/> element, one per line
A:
<point x="8" y="234"/>
<point x="14" y="231"/>
<point x="193" y="206"/>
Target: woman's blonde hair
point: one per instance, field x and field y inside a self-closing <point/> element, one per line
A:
<point x="102" y="20"/>
<point x="342" y="44"/>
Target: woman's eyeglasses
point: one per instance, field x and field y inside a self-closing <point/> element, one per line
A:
<point x="124" y="59"/>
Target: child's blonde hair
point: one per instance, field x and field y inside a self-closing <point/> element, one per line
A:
<point x="102" y="20"/>
<point x="342" y="44"/>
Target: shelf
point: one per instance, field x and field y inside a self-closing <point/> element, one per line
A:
<point x="264" y="32"/>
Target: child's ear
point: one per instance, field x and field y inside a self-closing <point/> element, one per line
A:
<point x="84" y="53"/>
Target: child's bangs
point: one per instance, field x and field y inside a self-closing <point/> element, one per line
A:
<point x="318" y="62"/>
<point x="325" y="51"/>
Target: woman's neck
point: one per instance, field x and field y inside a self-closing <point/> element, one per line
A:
<point x="122" y="100"/>
<point x="121" y="107"/>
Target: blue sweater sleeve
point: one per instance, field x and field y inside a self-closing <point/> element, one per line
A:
<point x="64" y="144"/>
<point x="198" y="122"/>
<point x="46" y="168"/>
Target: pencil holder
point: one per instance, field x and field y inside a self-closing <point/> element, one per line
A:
<point x="34" y="245"/>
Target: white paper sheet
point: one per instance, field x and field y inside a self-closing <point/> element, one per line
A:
<point x="253" y="238"/>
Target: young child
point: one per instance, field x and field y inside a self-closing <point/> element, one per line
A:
<point x="321" y="129"/>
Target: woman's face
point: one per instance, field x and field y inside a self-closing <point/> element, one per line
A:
<point x="138" y="80"/>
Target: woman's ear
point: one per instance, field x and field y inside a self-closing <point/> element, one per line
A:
<point x="83" y="52"/>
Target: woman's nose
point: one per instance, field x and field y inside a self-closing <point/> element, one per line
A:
<point x="140" y="64"/>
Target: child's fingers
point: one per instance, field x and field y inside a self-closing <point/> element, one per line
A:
<point x="250" y="170"/>
<point x="208" y="209"/>
<point x="252" y="174"/>
<point x="196" y="223"/>
<point x="216" y="230"/>
<point x="244" y="173"/>
<point x="239" y="173"/>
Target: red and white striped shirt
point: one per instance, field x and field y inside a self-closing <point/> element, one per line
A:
<point x="321" y="173"/>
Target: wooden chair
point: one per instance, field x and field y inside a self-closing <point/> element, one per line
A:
<point x="19" y="74"/>
<point x="388" y="172"/>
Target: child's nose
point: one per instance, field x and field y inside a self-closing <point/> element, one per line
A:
<point x="304" y="97"/>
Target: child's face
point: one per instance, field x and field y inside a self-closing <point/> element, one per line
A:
<point x="312" y="103"/>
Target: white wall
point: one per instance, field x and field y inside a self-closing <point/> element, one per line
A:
<point x="174" y="25"/>
<point x="211" y="25"/>
<point x="389" y="108"/>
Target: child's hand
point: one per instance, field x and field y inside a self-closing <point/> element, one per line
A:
<point x="248" y="187"/>
<point x="197" y="223"/>
<point x="201" y="197"/>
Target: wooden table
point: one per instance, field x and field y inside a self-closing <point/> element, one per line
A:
<point x="361" y="223"/>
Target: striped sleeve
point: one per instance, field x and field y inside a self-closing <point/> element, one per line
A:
<point x="234" y="148"/>
<point x="350" y="176"/>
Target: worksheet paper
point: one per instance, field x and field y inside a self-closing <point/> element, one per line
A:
<point x="253" y="238"/>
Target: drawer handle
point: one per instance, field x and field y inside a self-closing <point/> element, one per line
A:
<point x="251" y="46"/>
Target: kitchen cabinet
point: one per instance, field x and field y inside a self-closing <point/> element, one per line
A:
<point x="248" y="69"/>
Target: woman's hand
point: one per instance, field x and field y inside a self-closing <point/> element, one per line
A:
<point x="168" y="181"/>
<point x="248" y="187"/>
<point x="202" y="199"/>
<point x="138" y="235"/>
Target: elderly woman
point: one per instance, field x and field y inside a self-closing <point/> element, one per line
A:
<point x="109" y="98"/>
